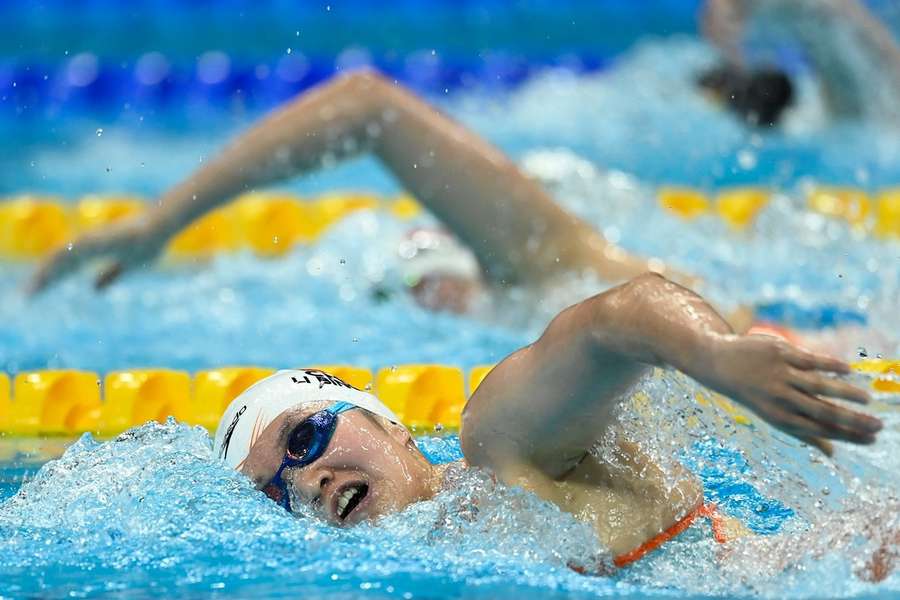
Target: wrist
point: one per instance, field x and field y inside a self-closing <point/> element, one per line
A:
<point x="705" y="357"/>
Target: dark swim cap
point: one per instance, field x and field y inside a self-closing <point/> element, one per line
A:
<point x="758" y="96"/>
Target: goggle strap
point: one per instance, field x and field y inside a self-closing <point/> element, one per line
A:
<point x="339" y="407"/>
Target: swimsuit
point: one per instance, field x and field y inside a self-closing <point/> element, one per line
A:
<point x="703" y="510"/>
<point x="708" y="511"/>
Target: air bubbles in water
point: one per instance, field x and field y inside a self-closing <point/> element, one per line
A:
<point x="99" y="131"/>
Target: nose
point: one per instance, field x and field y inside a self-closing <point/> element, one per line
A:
<point x="310" y="482"/>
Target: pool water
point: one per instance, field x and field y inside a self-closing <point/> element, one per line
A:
<point x="150" y="514"/>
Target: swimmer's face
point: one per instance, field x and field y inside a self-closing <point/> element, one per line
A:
<point x="370" y="468"/>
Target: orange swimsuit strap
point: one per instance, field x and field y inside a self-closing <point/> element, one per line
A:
<point x="703" y="510"/>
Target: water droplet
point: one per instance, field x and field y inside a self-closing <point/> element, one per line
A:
<point x="825" y="491"/>
<point x="274" y="239"/>
<point x="289" y="50"/>
<point x="343" y="261"/>
<point x="69" y="246"/>
<point x="355" y="340"/>
<point x="862" y="353"/>
<point x="99" y="131"/>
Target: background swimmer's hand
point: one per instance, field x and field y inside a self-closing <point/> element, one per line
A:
<point x="786" y="386"/>
<point x="126" y="245"/>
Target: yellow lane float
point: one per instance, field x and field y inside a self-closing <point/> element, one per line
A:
<point x="55" y="402"/>
<point x="423" y="396"/>
<point x="477" y="375"/>
<point x="885" y="374"/>
<point x="887" y="215"/>
<point x="5" y="403"/>
<point x="136" y="396"/>
<point x="214" y="389"/>
<point x="850" y="204"/>
<point x="92" y="212"/>
<point x="31" y="227"/>
<point x="358" y="377"/>
<point x="271" y="223"/>
<point x="214" y="232"/>
<point x="404" y="207"/>
<point x="685" y="202"/>
<point x="739" y="206"/>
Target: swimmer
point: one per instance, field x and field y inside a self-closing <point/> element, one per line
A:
<point x="519" y="236"/>
<point x="854" y="55"/>
<point x="311" y="442"/>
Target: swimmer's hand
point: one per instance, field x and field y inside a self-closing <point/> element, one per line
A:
<point x="126" y="245"/>
<point x="786" y="386"/>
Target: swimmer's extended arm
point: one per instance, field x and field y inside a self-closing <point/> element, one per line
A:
<point x="517" y="232"/>
<point x="548" y="403"/>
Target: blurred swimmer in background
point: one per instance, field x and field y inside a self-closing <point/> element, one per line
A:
<point x="854" y="56"/>
<point x="510" y="232"/>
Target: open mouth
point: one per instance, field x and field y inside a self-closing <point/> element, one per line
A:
<point x="350" y="498"/>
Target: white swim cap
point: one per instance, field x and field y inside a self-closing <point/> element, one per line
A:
<point x="251" y="412"/>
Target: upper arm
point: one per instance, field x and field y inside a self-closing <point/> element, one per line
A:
<point x="548" y="403"/>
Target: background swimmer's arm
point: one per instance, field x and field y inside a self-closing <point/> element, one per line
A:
<point x="722" y="22"/>
<point x="516" y="231"/>
<point x="548" y="403"/>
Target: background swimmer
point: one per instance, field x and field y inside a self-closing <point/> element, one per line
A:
<point x="854" y="56"/>
<point x="519" y="236"/>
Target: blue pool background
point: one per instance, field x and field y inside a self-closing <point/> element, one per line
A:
<point x="595" y="98"/>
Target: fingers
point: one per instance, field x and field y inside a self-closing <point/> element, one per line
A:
<point x="52" y="269"/>
<point x="824" y="446"/>
<point x="806" y="360"/>
<point x="109" y="275"/>
<point x="813" y="383"/>
<point x="812" y="416"/>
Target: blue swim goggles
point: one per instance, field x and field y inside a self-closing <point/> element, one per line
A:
<point x="306" y="442"/>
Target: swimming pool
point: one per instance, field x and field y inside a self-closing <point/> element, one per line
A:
<point x="150" y="515"/>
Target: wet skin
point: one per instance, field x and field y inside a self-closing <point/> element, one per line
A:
<point x="364" y="451"/>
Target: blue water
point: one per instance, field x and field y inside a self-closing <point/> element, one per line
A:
<point x="151" y="515"/>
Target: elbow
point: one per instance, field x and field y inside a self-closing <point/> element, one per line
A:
<point x="619" y="310"/>
<point x="644" y="284"/>
<point x="366" y="80"/>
